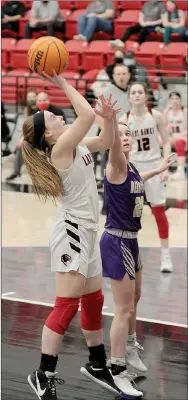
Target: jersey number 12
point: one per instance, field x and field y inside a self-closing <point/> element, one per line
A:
<point x="143" y="144"/>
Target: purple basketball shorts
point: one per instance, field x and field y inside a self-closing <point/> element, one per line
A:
<point x="119" y="256"/>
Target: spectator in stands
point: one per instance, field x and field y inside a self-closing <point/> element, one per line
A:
<point x="5" y="132"/>
<point x="43" y="104"/>
<point x="119" y="88"/>
<point x="34" y="103"/>
<point x="173" y="21"/>
<point x="30" y="109"/>
<point x="150" y="18"/>
<point x="44" y="15"/>
<point x="118" y="59"/>
<point x="99" y="17"/>
<point x="11" y="12"/>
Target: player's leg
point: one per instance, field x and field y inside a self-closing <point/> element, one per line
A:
<point x="155" y="194"/>
<point x="118" y="265"/>
<point x="133" y="347"/>
<point x="69" y="260"/>
<point x="91" y="321"/>
<point x="69" y="288"/>
<point x="180" y="145"/>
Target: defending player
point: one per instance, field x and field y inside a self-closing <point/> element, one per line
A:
<point x="124" y="199"/>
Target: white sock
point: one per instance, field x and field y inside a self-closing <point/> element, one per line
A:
<point x="132" y="338"/>
<point x="165" y="251"/>
<point x="118" y="361"/>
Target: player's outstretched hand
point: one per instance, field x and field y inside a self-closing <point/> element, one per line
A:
<point x="166" y="163"/>
<point x="55" y="79"/>
<point x="106" y="107"/>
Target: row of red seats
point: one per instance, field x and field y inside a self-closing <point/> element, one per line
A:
<point x="121" y="4"/>
<point x="99" y="54"/>
<point x="15" y="83"/>
<point x="121" y="22"/>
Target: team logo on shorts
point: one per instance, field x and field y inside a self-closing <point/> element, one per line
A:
<point x="65" y="258"/>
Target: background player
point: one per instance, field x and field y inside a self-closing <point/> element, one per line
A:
<point x="176" y="120"/>
<point x="124" y="199"/>
<point x="61" y="168"/>
<point x="145" y="126"/>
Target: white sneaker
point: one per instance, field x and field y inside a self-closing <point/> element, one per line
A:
<point x="132" y="356"/>
<point x="116" y="43"/>
<point x="166" y="262"/>
<point x="122" y="381"/>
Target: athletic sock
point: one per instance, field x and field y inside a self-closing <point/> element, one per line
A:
<point x="97" y="355"/>
<point x="48" y="363"/>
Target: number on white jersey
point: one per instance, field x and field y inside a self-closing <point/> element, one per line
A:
<point x="143" y="144"/>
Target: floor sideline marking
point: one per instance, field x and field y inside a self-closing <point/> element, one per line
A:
<point x="109" y="314"/>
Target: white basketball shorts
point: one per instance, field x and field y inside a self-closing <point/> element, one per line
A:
<point x="154" y="187"/>
<point x="75" y="248"/>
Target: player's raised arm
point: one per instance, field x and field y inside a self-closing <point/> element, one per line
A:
<point x="85" y="118"/>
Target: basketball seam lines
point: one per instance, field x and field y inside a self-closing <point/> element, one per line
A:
<point x="34" y="53"/>
<point x="59" y="56"/>
<point x="46" y="57"/>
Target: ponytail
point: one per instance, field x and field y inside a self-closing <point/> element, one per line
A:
<point x="46" y="181"/>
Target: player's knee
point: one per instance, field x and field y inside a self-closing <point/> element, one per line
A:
<point x="62" y="314"/>
<point x="125" y="311"/>
<point x="180" y="146"/>
<point x="91" y="311"/>
<point x="161" y="220"/>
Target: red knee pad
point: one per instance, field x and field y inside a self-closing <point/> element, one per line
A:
<point x="62" y="314"/>
<point x="91" y="311"/>
<point x="162" y="222"/>
<point x="180" y="146"/>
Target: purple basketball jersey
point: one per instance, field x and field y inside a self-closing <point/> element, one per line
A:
<point x="124" y="202"/>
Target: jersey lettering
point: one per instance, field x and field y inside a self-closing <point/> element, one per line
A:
<point x="139" y="203"/>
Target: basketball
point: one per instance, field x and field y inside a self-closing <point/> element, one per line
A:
<point x="48" y="54"/>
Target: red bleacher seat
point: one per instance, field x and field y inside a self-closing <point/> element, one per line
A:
<point x="148" y="56"/>
<point x="131" y="5"/>
<point x="75" y="48"/>
<point x="95" y="55"/>
<point x="63" y="4"/>
<point x="79" y="4"/>
<point x="172" y="59"/>
<point x="7" y="45"/>
<point x="72" y="23"/>
<point x="18" y="56"/>
<point x="8" y="90"/>
<point x="126" y="19"/>
<point x="19" y="77"/>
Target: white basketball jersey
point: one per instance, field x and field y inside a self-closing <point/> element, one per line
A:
<point x="176" y="121"/>
<point x="80" y="196"/>
<point x="145" y="145"/>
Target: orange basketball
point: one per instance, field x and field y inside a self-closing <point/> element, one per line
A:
<point x="47" y="54"/>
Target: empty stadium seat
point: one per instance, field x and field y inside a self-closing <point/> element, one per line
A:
<point x="79" y="4"/>
<point x="126" y="19"/>
<point x="75" y="49"/>
<point x="172" y="59"/>
<point x="18" y="56"/>
<point x="95" y="55"/>
<point x="7" y="45"/>
<point x="22" y="23"/>
<point x="72" y="23"/>
<point x="65" y="4"/>
<point x="131" y="5"/>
